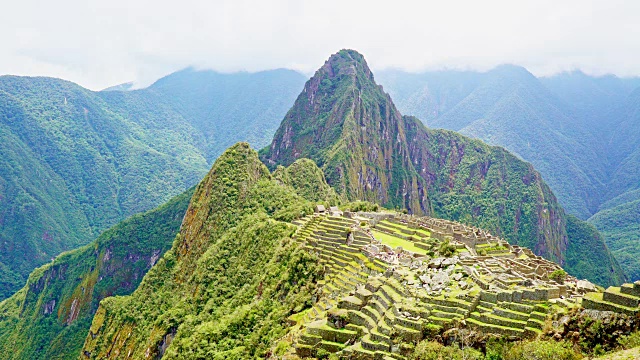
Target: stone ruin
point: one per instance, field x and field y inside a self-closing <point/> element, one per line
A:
<point x="385" y="294"/>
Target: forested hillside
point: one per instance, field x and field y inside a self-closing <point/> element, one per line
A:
<point x="50" y="316"/>
<point x="579" y="131"/>
<point x="232" y="277"/>
<point x="75" y="162"/>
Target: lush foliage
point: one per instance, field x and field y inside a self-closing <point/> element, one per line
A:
<point x="50" y="317"/>
<point x="498" y="350"/>
<point x="232" y="277"/>
<point x="74" y="162"/>
<point x="541" y="350"/>
<point x="356" y="206"/>
<point x="630" y="341"/>
<point x="431" y="350"/>
<point x="558" y="276"/>
<point x="308" y="181"/>
<point x="620" y="226"/>
<point x="588" y="256"/>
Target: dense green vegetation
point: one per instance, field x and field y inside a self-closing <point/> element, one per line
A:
<point x="581" y="132"/>
<point x="74" y="162"/>
<point x="308" y="181"/>
<point x="526" y="350"/>
<point x="369" y="151"/>
<point x="50" y="317"/>
<point x="232" y="277"/>
<point x="621" y="227"/>
<point x="587" y="253"/>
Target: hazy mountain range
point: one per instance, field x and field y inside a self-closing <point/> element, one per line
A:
<point x="73" y="158"/>
<point x="363" y="146"/>
<point x="75" y="162"/>
<point x="581" y="132"/>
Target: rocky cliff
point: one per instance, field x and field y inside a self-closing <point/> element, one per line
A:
<point x="346" y="123"/>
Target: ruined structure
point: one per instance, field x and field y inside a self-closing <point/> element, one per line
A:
<point x="392" y="279"/>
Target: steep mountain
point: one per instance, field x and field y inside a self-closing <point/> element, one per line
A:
<point x="351" y="128"/>
<point x="619" y="217"/>
<point x="75" y="162"/>
<point x="50" y="316"/>
<point x="591" y="98"/>
<point x="95" y="166"/>
<point x="428" y="95"/>
<point x="579" y="131"/>
<point x="232" y="277"/>
<point x="509" y="107"/>
<point x="621" y="227"/>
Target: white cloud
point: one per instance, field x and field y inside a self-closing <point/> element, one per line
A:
<point x="102" y="43"/>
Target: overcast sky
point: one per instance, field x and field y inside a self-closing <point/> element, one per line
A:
<point x="103" y="43"/>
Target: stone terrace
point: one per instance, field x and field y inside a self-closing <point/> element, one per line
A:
<point x="386" y="282"/>
<point x="624" y="299"/>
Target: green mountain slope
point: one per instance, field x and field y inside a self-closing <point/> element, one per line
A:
<point x="251" y="275"/>
<point x="231" y="278"/>
<point x="76" y="161"/>
<point x="509" y="107"/>
<point x="592" y="99"/>
<point x="38" y="215"/>
<point x="579" y="131"/>
<point x="50" y="316"/>
<point x="351" y="128"/>
<point x="98" y="165"/>
<point x="222" y="106"/>
<point x="621" y="227"/>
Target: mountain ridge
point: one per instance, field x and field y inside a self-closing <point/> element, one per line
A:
<point x="76" y="162"/>
<point x="577" y="130"/>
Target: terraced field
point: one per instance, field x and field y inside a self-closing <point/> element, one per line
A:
<point x="376" y="296"/>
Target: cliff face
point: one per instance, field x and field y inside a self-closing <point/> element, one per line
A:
<point x="50" y="316"/>
<point x="231" y="278"/>
<point x="346" y="123"/>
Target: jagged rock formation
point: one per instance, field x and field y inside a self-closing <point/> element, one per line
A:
<point x="369" y="151"/>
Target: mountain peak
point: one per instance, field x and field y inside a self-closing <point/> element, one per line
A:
<point x="339" y="99"/>
<point x="347" y="124"/>
<point x="345" y="63"/>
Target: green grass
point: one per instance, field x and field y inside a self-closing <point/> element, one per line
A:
<point x="394" y="242"/>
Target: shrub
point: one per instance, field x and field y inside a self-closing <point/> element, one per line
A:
<point x="322" y="354"/>
<point x="446" y="249"/>
<point x="360" y="206"/>
<point x="630" y="341"/>
<point x="541" y="350"/>
<point x="558" y="276"/>
<point x="431" y="350"/>
<point x="430" y="331"/>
